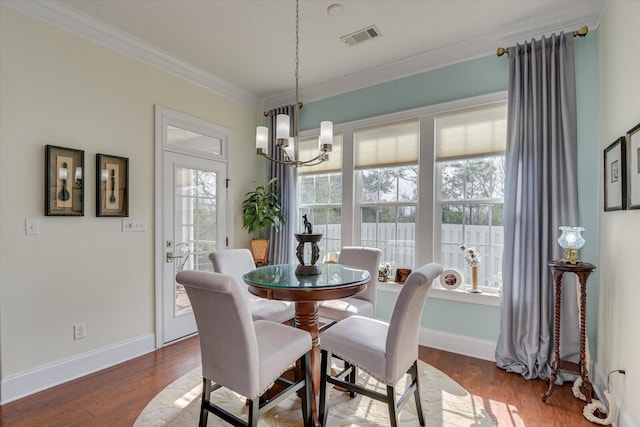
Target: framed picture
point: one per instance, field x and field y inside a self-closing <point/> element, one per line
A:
<point x="112" y="185"/>
<point x="402" y="274"/>
<point x="633" y="170"/>
<point x="64" y="181"/>
<point x="615" y="176"/>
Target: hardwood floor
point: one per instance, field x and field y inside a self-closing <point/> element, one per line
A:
<point x="115" y="396"/>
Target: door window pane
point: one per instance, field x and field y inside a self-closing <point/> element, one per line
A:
<point x="195" y="225"/>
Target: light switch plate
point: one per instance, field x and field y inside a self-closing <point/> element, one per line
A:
<point x="132" y="224"/>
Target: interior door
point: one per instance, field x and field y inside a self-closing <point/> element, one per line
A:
<point x="194" y="224"/>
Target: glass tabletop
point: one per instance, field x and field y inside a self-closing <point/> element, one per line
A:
<point x="283" y="276"/>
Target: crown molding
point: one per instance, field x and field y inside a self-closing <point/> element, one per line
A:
<point x="67" y="18"/>
<point x="438" y="58"/>
<point x="62" y="16"/>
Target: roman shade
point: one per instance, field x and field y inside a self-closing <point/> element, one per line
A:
<point x="471" y="132"/>
<point x="393" y="144"/>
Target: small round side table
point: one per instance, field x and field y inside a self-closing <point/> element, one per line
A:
<point x="582" y="270"/>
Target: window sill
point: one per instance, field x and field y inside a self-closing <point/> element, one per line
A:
<point x="489" y="297"/>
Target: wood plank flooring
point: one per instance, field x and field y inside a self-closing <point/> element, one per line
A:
<point x="115" y="396"/>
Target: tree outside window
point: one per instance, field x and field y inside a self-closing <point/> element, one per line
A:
<point x="472" y="203"/>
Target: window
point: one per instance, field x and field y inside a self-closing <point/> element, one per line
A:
<point x="386" y="160"/>
<point x="470" y="147"/>
<point x="416" y="184"/>
<point x="320" y="194"/>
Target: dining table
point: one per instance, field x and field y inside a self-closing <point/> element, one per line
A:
<point x="280" y="282"/>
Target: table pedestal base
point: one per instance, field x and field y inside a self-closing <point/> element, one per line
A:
<point x="307" y="319"/>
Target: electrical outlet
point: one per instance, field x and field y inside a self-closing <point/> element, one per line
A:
<point x="79" y="331"/>
<point x="31" y="226"/>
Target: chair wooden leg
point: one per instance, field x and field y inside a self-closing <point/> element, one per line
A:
<point x="325" y="370"/>
<point x="391" y="403"/>
<point x="206" y="395"/>
<point x="307" y="415"/>
<point x="415" y="377"/>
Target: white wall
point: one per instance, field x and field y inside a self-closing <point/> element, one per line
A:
<point x="57" y="88"/>
<point x="619" y="293"/>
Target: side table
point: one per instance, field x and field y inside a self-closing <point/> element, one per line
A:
<point x="582" y="270"/>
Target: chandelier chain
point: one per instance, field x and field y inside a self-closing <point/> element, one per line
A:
<point x="290" y="145"/>
<point x="297" y="47"/>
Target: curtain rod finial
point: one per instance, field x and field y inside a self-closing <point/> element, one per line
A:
<point x="581" y="32"/>
<point x="502" y="50"/>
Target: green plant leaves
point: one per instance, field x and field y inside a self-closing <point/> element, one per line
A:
<point x="261" y="209"/>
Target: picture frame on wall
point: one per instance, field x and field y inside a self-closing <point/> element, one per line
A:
<point x="64" y="181"/>
<point x="615" y="176"/>
<point x="633" y="169"/>
<point x="112" y="186"/>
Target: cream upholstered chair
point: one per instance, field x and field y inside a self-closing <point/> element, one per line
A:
<point x="363" y="304"/>
<point x="240" y="354"/>
<point x="236" y="262"/>
<point x="385" y="350"/>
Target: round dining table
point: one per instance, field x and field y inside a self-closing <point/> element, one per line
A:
<point x="335" y="281"/>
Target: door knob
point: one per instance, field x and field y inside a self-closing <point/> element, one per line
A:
<point x="170" y="257"/>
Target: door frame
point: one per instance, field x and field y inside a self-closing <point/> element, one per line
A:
<point x="165" y="117"/>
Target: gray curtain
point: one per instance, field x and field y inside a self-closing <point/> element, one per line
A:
<point x="541" y="195"/>
<point x="281" y="242"/>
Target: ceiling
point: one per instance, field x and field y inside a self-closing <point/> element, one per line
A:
<point x="245" y="49"/>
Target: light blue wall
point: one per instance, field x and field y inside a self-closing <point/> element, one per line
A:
<point x="477" y="77"/>
<point x="478" y="321"/>
<point x="464" y="80"/>
<point x="587" y="99"/>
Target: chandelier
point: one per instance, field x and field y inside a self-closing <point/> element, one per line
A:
<point x="284" y="141"/>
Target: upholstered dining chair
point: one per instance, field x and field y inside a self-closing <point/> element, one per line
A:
<point x="385" y="350"/>
<point x="236" y="262"/>
<point x="363" y="304"/>
<point x="243" y="355"/>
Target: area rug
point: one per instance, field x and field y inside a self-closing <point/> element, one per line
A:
<point x="444" y="403"/>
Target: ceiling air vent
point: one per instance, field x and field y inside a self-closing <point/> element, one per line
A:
<point x="359" y="36"/>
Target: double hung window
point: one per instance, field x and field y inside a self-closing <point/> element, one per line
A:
<point x="470" y="146"/>
<point x="386" y="165"/>
<point x="320" y="193"/>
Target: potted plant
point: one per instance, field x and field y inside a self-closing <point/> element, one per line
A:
<point x="261" y="210"/>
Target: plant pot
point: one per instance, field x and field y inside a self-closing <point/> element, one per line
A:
<point x="260" y="250"/>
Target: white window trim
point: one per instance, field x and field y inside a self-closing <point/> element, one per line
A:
<point x="426" y="218"/>
<point x="490" y="296"/>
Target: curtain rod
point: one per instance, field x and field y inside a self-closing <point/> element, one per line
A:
<point x="581" y="32"/>
<point x="266" y="113"/>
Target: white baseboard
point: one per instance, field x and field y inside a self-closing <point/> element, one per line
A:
<point x="461" y="344"/>
<point x="25" y="383"/>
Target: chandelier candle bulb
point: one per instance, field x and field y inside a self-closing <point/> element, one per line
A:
<point x="290" y="148"/>
<point x="282" y="129"/>
<point x="262" y="139"/>
<point x="326" y="135"/>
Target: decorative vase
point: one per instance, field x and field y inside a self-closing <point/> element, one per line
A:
<point x="308" y="267"/>
<point x="474" y="281"/>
